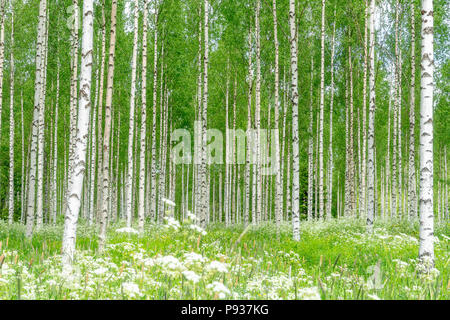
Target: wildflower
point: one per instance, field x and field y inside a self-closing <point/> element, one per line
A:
<point x="131" y="289"/>
<point x="217" y="266"/>
<point x="170" y="203"/>
<point x="192" y="257"/>
<point x="127" y="230"/>
<point x="191" y="276"/>
<point x="198" y="229"/>
<point x="218" y="288"/>
<point x="311" y="293"/>
<point x="191" y="216"/>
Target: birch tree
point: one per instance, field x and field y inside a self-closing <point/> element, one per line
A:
<point x="107" y="132"/>
<point x="426" y="243"/>
<point x="84" y="108"/>
<point x="412" y="198"/>
<point x="321" y="114"/>
<point x="130" y="171"/>
<point x="11" y="126"/>
<point x="143" y="146"/>
<point x="371" y="131"/>
<point x="295" y="135"/>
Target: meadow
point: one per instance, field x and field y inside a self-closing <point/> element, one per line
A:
<point x="335" y="259"/>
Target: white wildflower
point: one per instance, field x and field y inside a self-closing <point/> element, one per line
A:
<point x="127" y="230"/>
<point x="191" y="276"/>
<point x="217" y="266"/>
<point x="218" y="288"/>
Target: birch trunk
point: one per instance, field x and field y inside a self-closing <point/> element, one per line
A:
<point x="278" y="186"/>
<point x="84" y="108"/>
<point x="371" y="131"/>
<point x="154" y="107"/>
<point x="258" y="114"/>
<point x="311" y="146"/>
<point x="330" y="150"/>
<point x="321" y="118"/>
<point x="412" y="197"/>
<point x="11" y="126"/>
<point x="426" y="245"/>
<point x="249" y="128"/>
<point x="107" y="132"/>
<point x="203" y="167"/>
<point x="295" y="135"/>
<point x="2" y="55"/>
<point x="130" y="172"/>
<point x="35" y="130"/>
<point x="363" y="194"/>
<point x="143" y="147"/>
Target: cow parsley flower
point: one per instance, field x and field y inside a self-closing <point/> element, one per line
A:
<point x="191" y="276"/>
<point x="219" y="288"/>
<point x="127" y="230"/>
<point x="217" y="266"/>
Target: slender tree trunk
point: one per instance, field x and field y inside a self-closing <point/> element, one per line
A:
<point x="41" y="123"/>
<point x="278" y="186"/>
<point x="11" y="126"/>
<point x="143" y="147"/>
<point x="371" y="132"/>
<point x="100" y="114"/>
<point x="36" y="116"/>
<point x="295" y="135"/>
<point x="426" y="244"/>
<point x="2" y="55"/>
<point x="249" y="130"/>
<point x="107" y="132"/>
<point x="130" y="172"/>
<point x="321" y="117"/>
<point x="203" y="167"/>
<point x="412" y="197"/>
<point x="363" y="163"/>
<point x="84" y="108"/>
<point x="311" y="146"/>
<point x="258" y="115"/>
<point x="330" y="150"/>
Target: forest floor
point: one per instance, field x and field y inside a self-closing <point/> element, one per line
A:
<point x="334" y="260"/>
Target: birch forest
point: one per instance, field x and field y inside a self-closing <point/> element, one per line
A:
<point x="224" y="149"/>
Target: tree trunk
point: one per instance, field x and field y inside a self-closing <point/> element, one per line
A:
<point x="84" y="108"/>
<point x="107" y="132"/>
<point x="426" y="244"/>
<point x="11" y="126"/>
<point x="295" y="135"/>
<point x="412" y="197"/>
<point x="371" y="131"/>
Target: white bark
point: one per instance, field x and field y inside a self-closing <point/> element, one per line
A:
<point x="11" y="127"/>
<point x="143" y="146"/>
<point x="258" y="114"/>
<point x="321" y="116"/>
<point x="310" y="146"/>
<point x="330" y="150"/>
<point x="295" y="135"/>
<point x="2" y="55"/>
<point x="412" y="196"/>
<point x="278" y="186"/>
<point x="426" y="245"/>
<point x="371" y="131"/>
<point x="130" y="171"/>
<point x="107" y="133"/>
<point x="154" y="107"/>
<point x="203" y="167"/>
<point x="84" y="108"/>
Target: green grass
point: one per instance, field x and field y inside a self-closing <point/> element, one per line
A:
<point x="333" y="260"/>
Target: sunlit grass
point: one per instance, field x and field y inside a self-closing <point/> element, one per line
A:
<point x="333" y="260"/>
